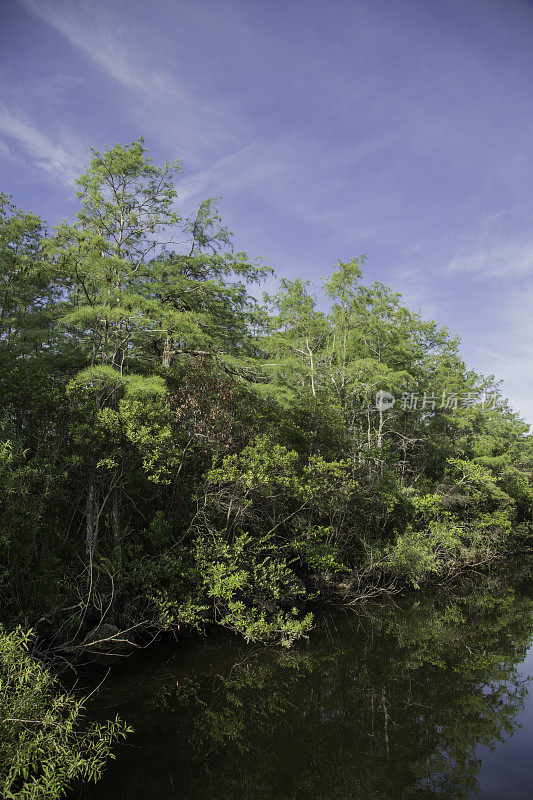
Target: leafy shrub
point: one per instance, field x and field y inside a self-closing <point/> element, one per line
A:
<point x="43" y="747"/>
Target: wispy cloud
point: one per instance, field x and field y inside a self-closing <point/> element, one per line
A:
<point x="259" y="164"/>
<point x="61" y="161"/>
<point x="107" y="51"/>
<point x="507" y="349"/>
<point x="420" y="292"/>
<point x="165" y="104"/>
<point x="497" y="260"/>
<point x="5" y="151"/>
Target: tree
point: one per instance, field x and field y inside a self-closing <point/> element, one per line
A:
<point x="126" y="209"/>
<point x="297" y="334"/>
<point x="199" y="297"/>
<point x="26" y="293"/>
<point x="132" y="303"/>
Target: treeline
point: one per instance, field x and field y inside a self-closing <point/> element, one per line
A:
<point x="175" y="452"/>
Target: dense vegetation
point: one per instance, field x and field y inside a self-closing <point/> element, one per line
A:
<point x="175" y="452"/>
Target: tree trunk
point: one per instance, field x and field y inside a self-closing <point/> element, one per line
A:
<point x="312" y="366"/>
<point x="115" y="517"/>
<point x="380" y="429"/>
<point x="167" y="351"/>
<point x="92" y="519"/>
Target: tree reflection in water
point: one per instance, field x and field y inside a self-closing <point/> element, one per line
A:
<point x="389" y="703"/>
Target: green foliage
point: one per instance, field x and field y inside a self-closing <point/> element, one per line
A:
<point x="172" y="452"/>
<point x="245" y="579"/>
<point x="44" y="747"/>
<point x="240" y="582"/>
<point x="27" y="296"/>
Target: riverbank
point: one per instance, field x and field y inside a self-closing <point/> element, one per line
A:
<point x="101" y="636"/>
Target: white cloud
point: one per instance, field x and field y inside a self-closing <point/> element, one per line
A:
<point x="507" y="349"/>
<point x="496" y="260"/>
<point x="259" y="164"/>
<point x="59" y="160"/>
<point x="164" y="103"/>
<point x="99" y="45"/>
<point x="5" y="151"/>
<point x="419" y="292"/>
<point x="215" y="142"/>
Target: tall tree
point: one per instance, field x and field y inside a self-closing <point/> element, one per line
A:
<point x="297" y="334"/>
<point x="127" y="212"/>
<point x="26" y="292"/>
<point x="133" y="301"/>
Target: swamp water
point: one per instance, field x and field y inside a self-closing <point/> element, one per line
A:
<point x="423" y="697"/>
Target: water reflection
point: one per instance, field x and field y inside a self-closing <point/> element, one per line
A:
<point x="394" y="703"/>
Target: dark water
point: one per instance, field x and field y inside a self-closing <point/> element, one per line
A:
<point x="426" y="698"/>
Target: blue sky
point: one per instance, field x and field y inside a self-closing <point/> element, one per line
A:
<point x="398" y="128"/>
